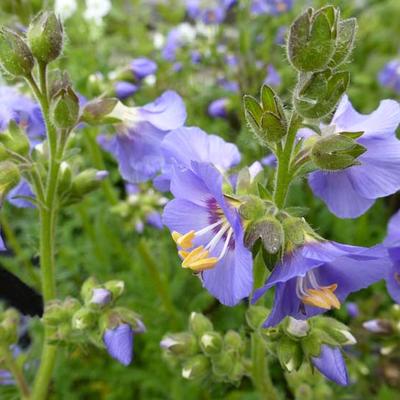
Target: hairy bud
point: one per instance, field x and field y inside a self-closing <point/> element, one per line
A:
<point x="183" y="344"/>
<point x="9" y="177"/>
<point x="199" y="324"/>
<point x="65" y="108"/>
<point x="196" y="368"/>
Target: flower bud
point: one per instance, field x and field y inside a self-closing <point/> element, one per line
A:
<point x="65" y="109"/>
<point x="182" y="344"/>
<point x="9" y="177"/>
<point x="336" y="152"/>
<point x="9" y="327"/>
<point x="269" y="230"/>
<point x="211" y="343"/>
<point x="316" y="95"/>
<point x="294" y="230"/>
<point x="87" y="288"/>
<point x="101" y="297"/>
<point x="85" y="182"/>
<point x="196" y="368"/>
<point x="378" y="326"/>
<point x="252" y="208"/>
<point x="65" y="180"/>
<point x="297" y="328"/>
<point x="223" y="363"/>
<point x="290" y="354"/>
<point x="233" y="341"/>
<point x="312" y="39"/>
<point x="311" y="344"/>
<point x="15" y="56"/>
<point x="15" y="140"/>
<point x="98" y="111"/>
<point x="130" y="317"/>
<point x="256" y="316"/>
<point x="116" y="287"/>
<point x="45" y="37"/>
<point x="199" y="324"/>
<point x="84" y="319"/>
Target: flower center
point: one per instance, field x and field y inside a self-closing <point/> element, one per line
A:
<point x="310" y="292"/>
<point x="199" y="258"/>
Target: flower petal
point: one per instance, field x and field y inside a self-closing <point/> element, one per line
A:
<point x="119" y="343"/>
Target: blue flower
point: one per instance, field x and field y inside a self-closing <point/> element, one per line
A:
<point x="319" y="275"/>
<point x="142" y="67"/>
<point x="187" y="144"/>
<point x="208" y="230"/>
<point x="331" y="364"/>
<point x="389" y="75"/>
<point x="119" y="343"/>
<point x="137" y="144"/>
<point x="273" y="78"/>
<point x="218" y="108"/>
<point x="351" y="192"/>
<point x="125" y="89"/>
<point x="209" y="12"/>
<point x="273" y="7"/>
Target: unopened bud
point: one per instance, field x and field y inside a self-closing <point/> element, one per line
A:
<point x="182" y="344"/>
<point x="256" y="316"/>
<point x="196" y="368"/>
<point x="116" y="287"/>
<point x="100" y="297"/>
<point x="211" y="343"/>
<point x="297" y="328"/>
<point x="378" y="326"/>
<point x="84" y="318"/>
<point x="9" y="177"/>
<point x="311" y="344"/>
<point x="65" y="109"/>
<point x="199" y="324"/>
<point x="98" y="111"/>
<point x="290" y="354"/>
<point x="45" y="36"/>
<point x="294" y="230"/>
<point x="233" y="341"/>
<point x="336" y="152"/>
<point x="15" y="140"/>
<point x="86" y="182"/>
<point x="128" y="316"/>
<point x="223" y="363"/>
<point x="15" y="56"/>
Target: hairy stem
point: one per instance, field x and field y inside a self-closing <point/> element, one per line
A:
<point x="283" y="175"/>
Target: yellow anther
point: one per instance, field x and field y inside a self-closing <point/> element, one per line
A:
<point x="322" y="298"/>
<point x="198" y="260"/>
<point x="183" y="253"/>
<point x="185" y="241"/>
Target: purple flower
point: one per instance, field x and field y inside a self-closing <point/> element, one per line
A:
<point x="218" y="108"/>
<point x="6" y="378"/>
<point x="125" y="89"/>
<point x="281" y="35"/>
<point x="142" y="67"/>
<point x="351" y="192"/>
<point x="187" y="144"/>
<point x="208" y="230"/>
<point x="392" y="242"/>
<point x="269" y="160"/>
<point x="273" y="78"/>
<point x="319" y="276"/>
<point x="176" y="38"/>
<point x="213" y="12"/>
<point x="331" y="364"/>
<point x="273" y="7"/>
<point x="137" y="144"/>
<point x="21" y="109"/>
<point x="119" y="343"/>
<point x="229" y="86"/>
<point x="101" y="296"/>
<point x="389" y="76"/>
<point x="352" y="309"/>
<point x="22" y="189"/>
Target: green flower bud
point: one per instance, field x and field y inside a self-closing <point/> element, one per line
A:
<point x="183" y="344"/>
<point x="312" y="39"/>
<point x="290" y="354"/>
<point x="294" y="230"/>
<point x="87" y="288"/>
<point x="84" y="319"/>
<point x="65" y="180"/>
<point x="316" y="95"/>
<point x="269" y="230"/>
<point x="223" y="363"/>
<point x="233" y="341"/>
<point x="45" y="37"/>
<point x="15" y="140"/>
<point x="211" y="343"/>
<point x="311" y="344"/>
<point x="252" y="208"/>
<point x="15" y="56"/>
<point x="85" y="182"/>
<point x="9" y="327"/>
<point x="256" y="316"/>
<point x="98" y="111"/>
<point x="199" y="324"/>
<point x="130" y="317"/>
<point x="9" y="177"/>
<point x="336" y="152"/>
<point x="196" y="368"/>
<point x="53" y="312"/>
<point x="116" y="287"/>
<point x="65" y="109"/>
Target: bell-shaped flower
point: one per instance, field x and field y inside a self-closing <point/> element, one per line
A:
<point x="392" y="242"/>
<point x="137" y="144"/>
<point x="319" y="275"/>
<point x="187" y="144"/>
<point x="350" y="192"/>
<point x="119" y="343"/>
<point x="331" y="364"/>
<point x="208" y="230"/>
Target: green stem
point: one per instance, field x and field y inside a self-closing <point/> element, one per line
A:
<point x="283" y="175"/>
<point x="17" y="373"/>
<point x="260" y="369"/>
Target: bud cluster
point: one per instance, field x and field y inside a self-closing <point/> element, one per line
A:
<point x="205" y="353"/>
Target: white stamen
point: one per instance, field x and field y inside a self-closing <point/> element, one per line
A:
<point x="227" y="240"/>
<point x="211" y="246"/>
<point x="208" y="228"/>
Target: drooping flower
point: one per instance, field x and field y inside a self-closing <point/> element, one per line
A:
<point x="119" y="343"/>
<point x="351" y="192"/>
<point x="137" y="144"/>
<point x="219" y="108"/>
<point x="273" y="7"/>
<point x="392" y="243"/>
<point x="24" y="111"/>
<point x="331" y="364"/>
<point x="389" y="75"/>
<point x="319" y="275"/>
<point x="142" y="67"/>
<point x="187" y="144"/>
<point x="208" y="230"/>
